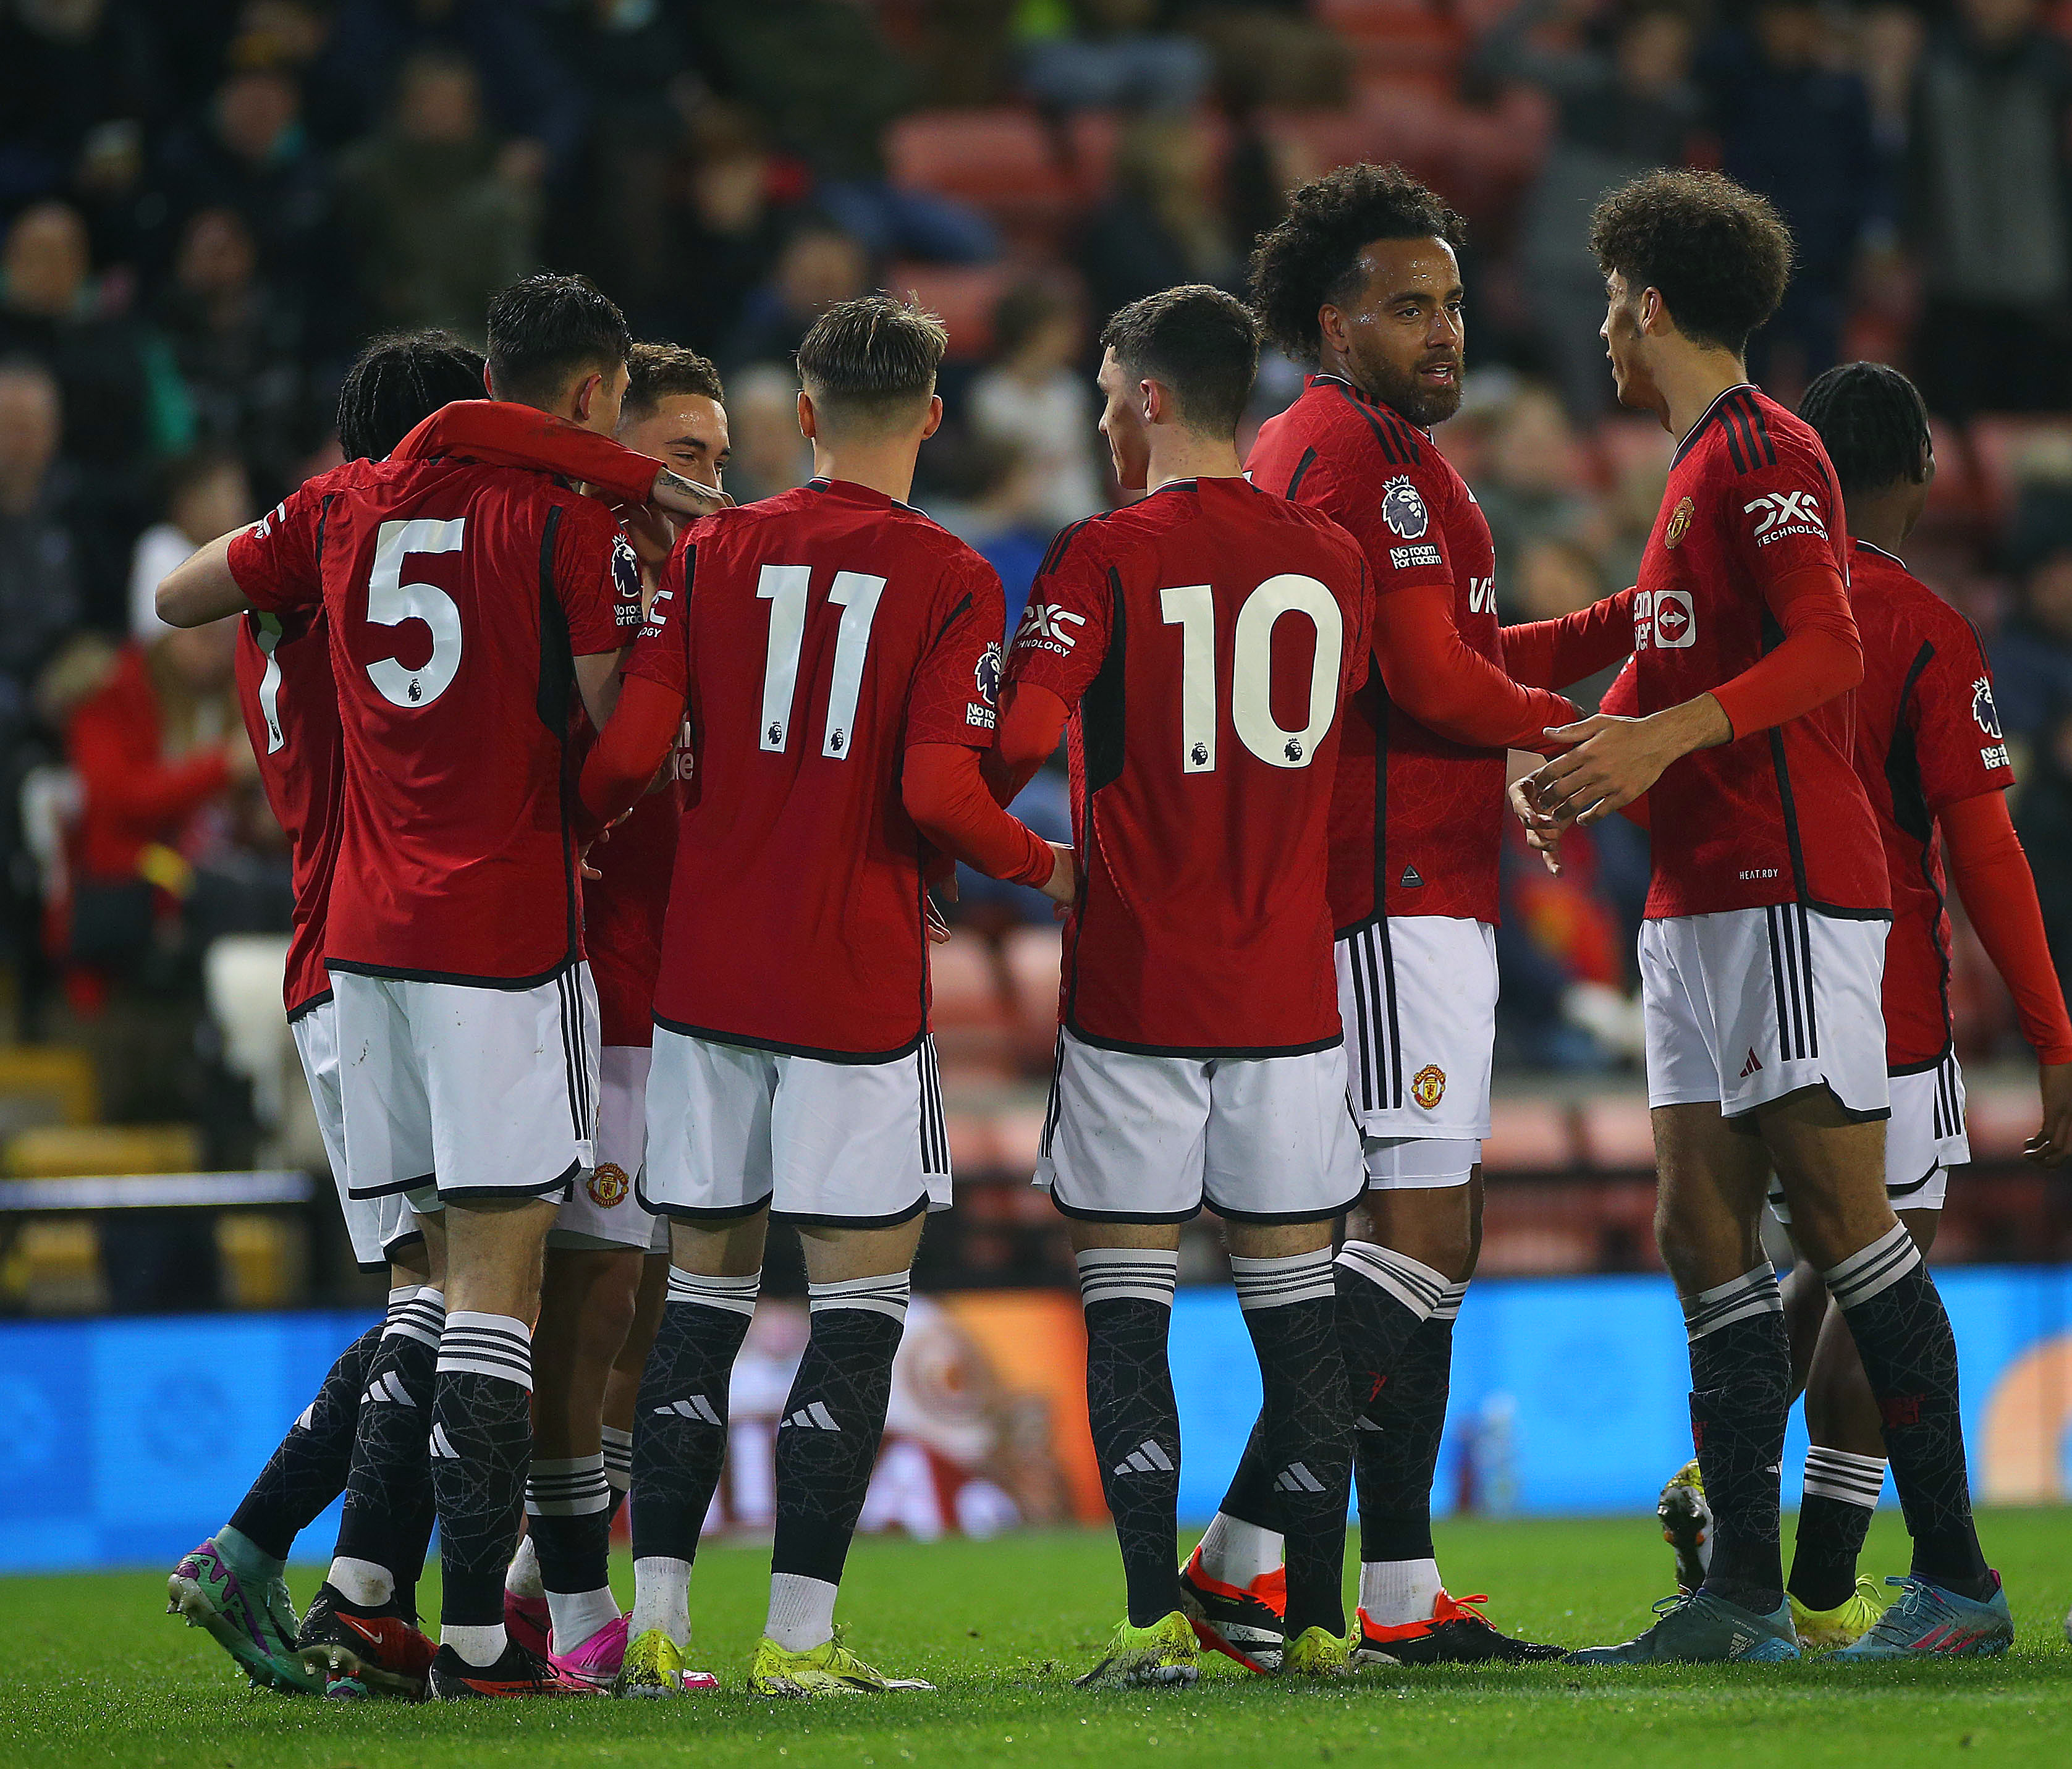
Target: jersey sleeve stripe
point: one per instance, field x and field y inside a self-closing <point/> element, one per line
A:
<point x="1406" y="438"/>
<point x="1392" y="450"/>
<point x="1054" y="554"/>
<point x="1733" y="438"/>
<point x="1301" y="467"/>
<point x="1754" y="409"/>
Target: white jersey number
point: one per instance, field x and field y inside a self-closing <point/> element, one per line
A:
<point x="1192" y="608"/>
<point x="269" y="634"/>
<point x="856" y="594"/>
<point x="390" y="601"/>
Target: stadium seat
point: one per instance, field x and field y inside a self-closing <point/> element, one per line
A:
<point x="2008" y="453"/>
<point x="1005" y="162"/>
<point x="964" y="295"/>
<point x="1529" y="1135"/>
<point x="46" y="1084"/>
<point x="1035" y="955"/>
<point x="241" y="976"/>
<point x="973" y="1033"/>
<point x="54" y="1151"/>
<point x="1403" y="40"/>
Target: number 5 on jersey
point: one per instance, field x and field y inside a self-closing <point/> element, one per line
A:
<point x="855" y="593"/>
<point x="390" y="601"/>
<point x="1192" y="608"/>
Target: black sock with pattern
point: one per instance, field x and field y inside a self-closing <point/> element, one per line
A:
<point x="1902" y="1333"/>
<point x="680" y="1423"/>
<point x="1834" y="1517"/>
<point x="482" y="1443"/>
<point x="387" y="1521"/>
<point x="308" y="1469"/>
<point x="1740" y="1390"/>
<point x="1397" y="1440"/>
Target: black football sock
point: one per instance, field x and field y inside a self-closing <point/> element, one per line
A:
<point x="1385" y="1299"/>
<point x="827" y="1437"/>
<point x="307" y="1471"/>
<point x="1398" y="1442"/>
<point x="1741" y="1387"/>
<point x="680" y="1423"/>
<point x="1902" y="1333"/>
<point x="568" y="1516"/>
<point x="482" y="1441"/>
<point x="1841" y="1493"/>
<point x="1128" y="1296"/>
<point x="388" y="1514"/>
<point x="1290" y="1311"/>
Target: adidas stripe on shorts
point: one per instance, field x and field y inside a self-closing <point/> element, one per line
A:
<point x="1745" y="1006"/>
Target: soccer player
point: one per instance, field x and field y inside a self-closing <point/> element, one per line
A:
<point x="1202" y="642"/>
<point x="469" y="608"/>
<point x="1361" y="281"/>
<point x="602" y="1299"/>
<point x="1762" y="958"/>
<point x="837" y="653"/>
<point x="1930" y="753"/>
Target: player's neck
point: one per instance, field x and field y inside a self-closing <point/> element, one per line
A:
<point x="1184" y="455"/>
<point x="1689" y="381"/>
<point x="1883" y="519"/>
<point x="878" y="467"/>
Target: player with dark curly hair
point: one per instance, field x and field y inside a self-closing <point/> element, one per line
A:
<point x="1762" y="956"/>
<point x="1361" y="283"/>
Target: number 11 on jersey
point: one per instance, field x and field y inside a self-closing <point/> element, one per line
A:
<point x="856" y="594"/>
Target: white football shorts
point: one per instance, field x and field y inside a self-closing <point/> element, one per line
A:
<point x="1924" y="1140"/>
<point x="376" y="1227"/>
<point x="1745" y="1006"/>
<point x="453" y="1090"/>
<point x="732" y="1128"/>
<point x="1418" y="996"/>
<point x="1130" y="1138"/>
<point x="603" y="1210"/>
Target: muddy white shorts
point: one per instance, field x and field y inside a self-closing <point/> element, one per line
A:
<point x="1745" y="1006"/>
<point x="467" y="1090"/>
<point x="603" y="1210"/>
<point x="732" y="1128"/>
<point x="376" y="1227"/>
<point x="1130" y="1138"/>
<point x="1925" y="1138"/>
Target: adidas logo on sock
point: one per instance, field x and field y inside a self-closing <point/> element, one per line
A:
<point x="308" y="1414"/>
<point x="443" y="1447"/>
<point x="1753" y="1063"/>
<point x="816" y="1418"/>
<point x="1295" y="1478"/>
<point x="1147" y="1458"/>
<point x="1362" y="1422"/>
<point x="389" y="1388"/>
<point x="698" y="1407"/>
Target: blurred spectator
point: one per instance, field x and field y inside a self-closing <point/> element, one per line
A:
<point x="1991" y="191"/>
<point x="206" y="494"/>
<point x="1557" y="576"/>
<point x="1163" y="223"/>
<point x="2032" y="653"/>
<point x="1623" y="110"/>
<point x="69" y="70"/>
<point x="770" y="456"/>
<point x="238" y="346"/>
<point x="820" y="265"/>
<point x="1110" y="55"/>
<point x="1532" y="487"/>
<point x="1035" y="396"/>
<point x="124" y="404"/>
<point x="443" y="217"/>
<point x="2044" y="808"/>
<point x="992" y="497"/>
<point x="41" y="593"/>
<point x="965" y="53"/>
<point x="1629" y="515"/>
<point x="823" y="75"/>
<point x="1798" y="128"/>
<point x="252" y="156"/>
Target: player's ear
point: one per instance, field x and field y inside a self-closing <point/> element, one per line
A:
<point x="935" y="422"/>
<point x="1331" y="327"/>
<point x="587" y="390"/>
<point x="1152" y="401"/>
<point x="488" y="387"/>
<point x="809" y="421"/>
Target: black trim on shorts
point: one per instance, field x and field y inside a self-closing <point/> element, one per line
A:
<point x="460" y="1197"/>
<point x="1908" y="1190"/>
<point x="389" y="1191"/>
<point x="1949" y="1118"/>
<point x="1791" y="979"/>
<point x="1839" y="911"/>
<point x="507" y="985"/>
<point x="582" y="1117"/>
<point x="810" y="1220"/>
<point x="1257" y="1218"/>
<point x="1746" y="1121"/>
<point x="740" y="1213"/>
<point x="743" y="1041"/>
<point x="1375" y="998"/>
<point x="390" y="1249"/>
<point x="934" y="1121"/>
<point x="1204" y="1054"/>
<point x="303" y="1009"/>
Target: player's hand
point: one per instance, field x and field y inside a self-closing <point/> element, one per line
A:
<point x="652" y="535"/>
<point x="1543" y="833"/>
<point x="582" y="853"/>
<point x="938" y="929"/>
<point x="1614" y="760"/>
<point x="681" y="497"/>
<point x="2051" y="1144"/>
<point x="1064" y="883"/>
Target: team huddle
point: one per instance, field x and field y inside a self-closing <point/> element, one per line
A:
<point x="615" y="809"/>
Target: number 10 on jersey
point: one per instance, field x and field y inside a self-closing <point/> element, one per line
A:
<point x="1192" y="608"/>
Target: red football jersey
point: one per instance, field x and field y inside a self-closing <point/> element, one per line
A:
<point x="1927" y="736"/>
<point x="289" y="705"/>
<point x="815" y="636"/>
<point x="1207" y="639"/>
<point x="1778" y="816"/>
<point x="1417" y="819"/>
<point x="455" y="596"/>
<point x="624" y="911"/>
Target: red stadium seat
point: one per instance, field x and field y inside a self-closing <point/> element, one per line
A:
<point x="2006" y="451"/>
<point x="963" y="294"/>
<point x="1005" y="162"/>
<point x="972" y="1031"/>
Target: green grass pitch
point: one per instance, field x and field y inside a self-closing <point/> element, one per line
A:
<point x="96" y="1675"/>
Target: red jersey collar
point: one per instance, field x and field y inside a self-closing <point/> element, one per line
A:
<point x="1323" y="378"/>
<point x="1690" y="436"/>
<point x="1865" y="546"/>
<point x="858" y="493"/>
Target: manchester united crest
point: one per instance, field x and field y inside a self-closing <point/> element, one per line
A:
<point x="1679" y="523"/>
<point x="608" y="1185"/>
<point x="1428" y="1086"/>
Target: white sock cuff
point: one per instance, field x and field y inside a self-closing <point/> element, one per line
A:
<point x="1872" y="1269"/>
<point x="1753" y="1293"/>
<point x="1449" y="1301"/>
<point x="1129" y="1274"/>
<point x="617" y="1458"/>
<point x="1285" y="1279"/>
<point x="416" y="1311"/>
<point x="736" y="1296"/>
<point x="887" y="1295"/>
<point x="573" y="1487"/>
<point x="1411" y="1282"/>
<point x="500" y="1345"/>
<point x="1842" y="1475"/>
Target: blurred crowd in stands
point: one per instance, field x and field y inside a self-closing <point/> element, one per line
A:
<point x="205" y="208"/>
